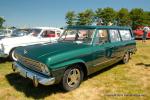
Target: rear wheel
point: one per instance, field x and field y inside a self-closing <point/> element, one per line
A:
<point x="72" y="78"/>
<point x="126" y="58"/>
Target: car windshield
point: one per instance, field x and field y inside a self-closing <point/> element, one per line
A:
<point x="77" y="36"/>
<point x="20" y="32"/>
<point x="35" y="32"/>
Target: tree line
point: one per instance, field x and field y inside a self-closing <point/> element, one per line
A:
<point x="2" y="20"/>
<point x="105" y="16"/>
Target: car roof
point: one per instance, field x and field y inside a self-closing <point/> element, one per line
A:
<point x="44" y="28"/>
<point x="97" y="27"/>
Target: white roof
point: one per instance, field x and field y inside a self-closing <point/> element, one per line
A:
<point x="53" y="28"/>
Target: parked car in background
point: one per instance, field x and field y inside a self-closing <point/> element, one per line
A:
<point x="5" y="33"/>
<point x="14" y="32"/>
<point x="28" y="37"/>
<point x="21" y="32"/>
<point x="139" y="32"/>
<point x="80" y="51"/>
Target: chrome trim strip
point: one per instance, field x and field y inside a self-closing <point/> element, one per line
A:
<point x="104" y="62"/>
<point x="30" y="74"/>
<point x="29" y="63"/>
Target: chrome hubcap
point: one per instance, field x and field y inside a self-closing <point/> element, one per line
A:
<point x="73" y="77"/>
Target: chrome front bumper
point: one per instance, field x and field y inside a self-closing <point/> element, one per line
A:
<point x="34" y="76"/>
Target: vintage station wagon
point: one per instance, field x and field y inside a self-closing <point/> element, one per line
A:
<point x="80" y="51"/>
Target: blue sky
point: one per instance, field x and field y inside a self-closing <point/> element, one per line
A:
<point x="31" y="13"/>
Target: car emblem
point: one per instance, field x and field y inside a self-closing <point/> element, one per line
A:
<point x="25" y="51"/>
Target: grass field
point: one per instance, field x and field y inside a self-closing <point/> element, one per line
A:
<point x="119" y="82"/>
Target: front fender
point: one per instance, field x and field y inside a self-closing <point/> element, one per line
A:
<point x="58" y="70"/>
<point x="66" y="64"/>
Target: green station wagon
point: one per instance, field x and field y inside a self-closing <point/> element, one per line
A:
<point x="79" y="52"/>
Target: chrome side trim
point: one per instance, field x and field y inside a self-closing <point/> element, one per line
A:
<point x="31" y="75"/>
<point x="104" y="62"/>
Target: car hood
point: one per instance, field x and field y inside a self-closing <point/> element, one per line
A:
<point x="40" y="51"/>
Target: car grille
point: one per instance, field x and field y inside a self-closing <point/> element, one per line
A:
<point x="29" y="63"/>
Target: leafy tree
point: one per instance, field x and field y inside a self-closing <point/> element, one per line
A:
<point x="85" y="18"/>
<point x="146" y="18"/>
<point x="136" y="16"/>
<point x="98" y="16"/>
<point x="2" y="20"/>
<point x="106" y="14"/>
<point x="70" y="17"/>
<point x="123" y="17"/>
<point x="98" y="12"/>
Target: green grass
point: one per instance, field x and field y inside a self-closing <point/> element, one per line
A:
<point x="118" y="82"/>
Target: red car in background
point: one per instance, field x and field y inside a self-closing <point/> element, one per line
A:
<point x="139" y="32"/>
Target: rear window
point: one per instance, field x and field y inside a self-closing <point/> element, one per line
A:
<point x="125" y="35"/>
<point x="114" y="35"/>
<point x="102" y="36"/>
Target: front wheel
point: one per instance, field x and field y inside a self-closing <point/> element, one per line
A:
<point x="126" y="58"/>
<point x="72" y="78"/>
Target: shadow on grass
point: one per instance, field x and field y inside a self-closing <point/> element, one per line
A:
<point x="104" y="70"/>
<point x="141" y="39"/>
<point x="25" y="85"/>
<point x="146" y="65"/>
<point x="4" y="60"/>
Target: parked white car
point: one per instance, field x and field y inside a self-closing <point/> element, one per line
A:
<point x="5" y="33"/>
<point x="20" y="32"/>
<point x="34" y="36"/>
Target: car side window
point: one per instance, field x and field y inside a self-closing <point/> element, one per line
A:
<point x="102" y="36"/>
<point x="48" y="33"/>
<point x="125" y="35"/>
<point x="114" y="35"/>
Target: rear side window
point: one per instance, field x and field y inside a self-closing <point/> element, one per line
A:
<point x="125" y="35"/>
<point x="102" y="36"/>
<point x="114" y="36"/>
<point x="48" y="33"/>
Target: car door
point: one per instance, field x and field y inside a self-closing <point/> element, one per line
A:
<point x="116" y="45"/>
<point x="127" y="39"/>
<point x="101" y="51"/>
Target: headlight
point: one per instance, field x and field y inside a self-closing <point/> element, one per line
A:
<point x="44" y="69"/>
